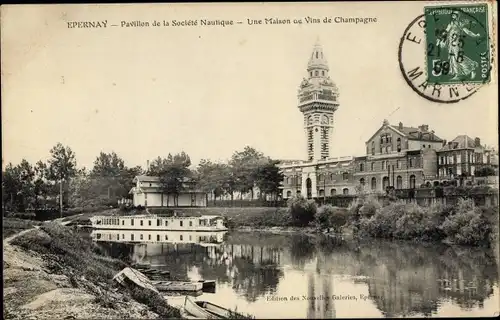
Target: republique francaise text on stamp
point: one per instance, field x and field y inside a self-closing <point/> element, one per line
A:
<point x="444" y="54"/>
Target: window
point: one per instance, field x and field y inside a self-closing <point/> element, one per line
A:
<point x="333" y="192"/>
<point x="384" y="164"/>
<point x="149" y="222"/>
<point x="141" y="223"/>
<point x="181" y="223"/>
<point x="141" y="237"/>
<point x="398" y="144"/>
<point x="398" y="165"/>
<point x="132" y="235"/>
<point x="361" y="167"/>
<point x="190" y="223"/>
<point x="411" y="163"/>
<point x="288" y="194"/>
<point x="158" y="222"/>
<point x="374" y="183"/>
<point x="412" y="182"/>
<point x="345" y="191"/>
<point x="166" y="237"/>
<point x="317" y="55"/>
<point x="385" y="183"/>
<point x="311" y="73"/>
<point x="181" y="237"/>
<point x="316" y="73"/>
<point x="372" y="166"/>
<point x="149" y="237"/>
<point x="345" y="175"/>
<point x="132" y="221"/>
<point x="362" y="181"/>
<point x="323" y="73"/>
<point x="157" y="237"/>
<point x="321" y="193"/>
<point x="373" y="147"/>
<point x="387" y="149"/>
<point x="399" y="182"/>
<point x="123" y="222"/>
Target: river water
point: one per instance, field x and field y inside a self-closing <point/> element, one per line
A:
<point x="297" y="276"/>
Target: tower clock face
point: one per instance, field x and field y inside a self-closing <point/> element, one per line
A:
<point x="324" y="120"/>
<point x="310" y="120"/>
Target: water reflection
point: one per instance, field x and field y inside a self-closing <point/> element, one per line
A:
<point x="397" y="279"/>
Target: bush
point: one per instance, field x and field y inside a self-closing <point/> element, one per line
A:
<point x="417" y="223"/>
<point x="328" y="217"/>
<point x="383" y="223"/>
<point x="301" y="210"/>
<point x="468" y="225"/>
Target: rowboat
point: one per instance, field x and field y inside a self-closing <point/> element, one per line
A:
<point x="206" y="310"/>
<point x="178" y="285"/>
<point x="130" y="276"/>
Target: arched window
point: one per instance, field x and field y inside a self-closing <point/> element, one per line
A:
<point x="332" y="176"/>
<point x="361" y="167"/>
<point x="316" y="73"/>
<point x="345" y="175"/>
<point x="362" y="181"/>
<point x="412" y="182"/>
<point x="333" y="192"/>
<point x="387" y="149"/>
<point x="289" y="194"/>
<point x="345" y="191"/>
<point x="385" y="183"/>
<point x="374" y="183"/>
<point x="398" y="144"/>
<point x="321" y="193"/>
<point x="311" y="73"/>
<point x="317" y="55"/>
<point x="399" y="182"/>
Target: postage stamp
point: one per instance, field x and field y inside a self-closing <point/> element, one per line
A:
<point x="458" y="46"/>
<point x="445" y="53"/>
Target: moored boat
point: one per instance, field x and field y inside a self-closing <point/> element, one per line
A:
<point x="130" y="276"/>
<point x="207" y="310"/>
<point x="178" y="285"/>
<point x="154" y="222"/>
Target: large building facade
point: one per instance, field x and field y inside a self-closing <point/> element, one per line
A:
<point x="398" y="156"/>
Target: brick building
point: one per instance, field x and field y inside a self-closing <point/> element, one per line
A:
<point x="396" y="156"/>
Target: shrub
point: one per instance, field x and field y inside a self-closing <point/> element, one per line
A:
<point x="328" y="217"/>
<point x="383" y="223"/>
<point x="418" y="223"/>
<point x="301" y="210"/>
<point x="468" y="225"/>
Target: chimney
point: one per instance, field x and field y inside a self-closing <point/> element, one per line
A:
<point x="424" y="127"/>
<point x="400" y="126"/>
<point x="477" y="142"/>
<point x="444" y="142"/>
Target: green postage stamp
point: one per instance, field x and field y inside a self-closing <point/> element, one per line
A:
<point x="457" y="44"/>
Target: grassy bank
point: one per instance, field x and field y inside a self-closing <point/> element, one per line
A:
<point x="53" y="272"/>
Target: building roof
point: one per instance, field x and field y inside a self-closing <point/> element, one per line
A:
<point x="460" y="142"/>
<point x="144" y="178"/>
<point x="413" y="133"/>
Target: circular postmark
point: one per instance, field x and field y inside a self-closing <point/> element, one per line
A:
<point x="444" y="54"/>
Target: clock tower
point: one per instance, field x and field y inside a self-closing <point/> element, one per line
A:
<point x="318" y="101"/>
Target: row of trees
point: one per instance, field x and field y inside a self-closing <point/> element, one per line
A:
<point x="59" y="182"/>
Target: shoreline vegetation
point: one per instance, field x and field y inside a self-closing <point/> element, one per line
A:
<point x="367" y="217"/>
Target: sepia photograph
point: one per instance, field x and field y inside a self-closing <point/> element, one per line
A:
<point x="296" y="160"/>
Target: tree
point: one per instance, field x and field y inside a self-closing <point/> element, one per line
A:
<point x="268" y="177"/>
<point x="485" y="172"/>
<point x="62" y="167"/>
<point x="244" y="164"/>
<point x="173" y="173"/>
<point x="11" y="187"/>
<point x="301" y="210"/>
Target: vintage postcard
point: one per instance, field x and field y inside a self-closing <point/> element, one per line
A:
<point x="250" y="160"/>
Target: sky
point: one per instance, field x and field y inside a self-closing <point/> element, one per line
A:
<point x="211" y="90"/>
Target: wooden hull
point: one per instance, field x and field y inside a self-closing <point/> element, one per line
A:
<point x="130" y="276"/>
<point x="196" y="309"/>
<point x="178" y="286"/>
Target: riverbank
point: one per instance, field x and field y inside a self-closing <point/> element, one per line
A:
<point x="51" y="272"/>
